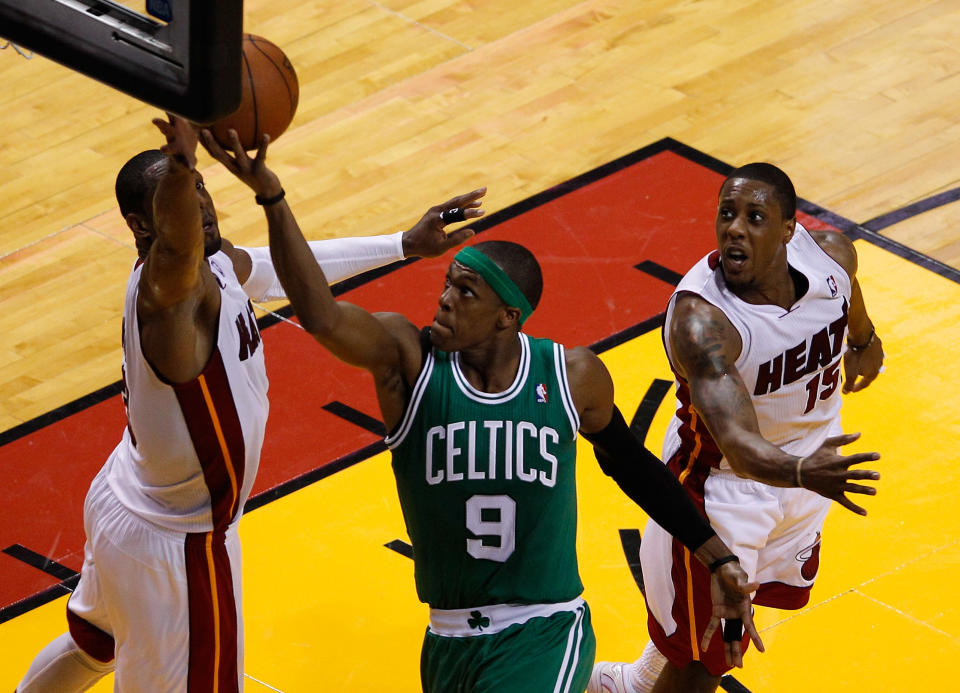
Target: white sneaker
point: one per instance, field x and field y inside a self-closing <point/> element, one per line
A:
<point x="609" y="677"/>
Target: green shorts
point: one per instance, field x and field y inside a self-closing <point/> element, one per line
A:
<point x="552" y="654"/>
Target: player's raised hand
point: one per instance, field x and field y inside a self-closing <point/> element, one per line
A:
<point x="730" y="591"/>
<point x="252" y="171"/>
<point x="428" y="238"/>
<point x="828" y="473"/>
<point x="181" y="137"/>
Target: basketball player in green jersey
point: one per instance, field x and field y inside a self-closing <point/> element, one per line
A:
<point x="483" y="421"/>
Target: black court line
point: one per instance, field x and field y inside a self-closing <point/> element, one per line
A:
<point x="356" y="417"/>
<point x="52" y="417"/>
<point x="855" y="231"/>
<point x="67" y="576"/>
<point x="40" y="562"/>
<point x="401" y="547"/>
<point x="728" y="683"/>
<point x="37" y="600"/>
<point x="313" y="476"/>
<point x="643" y="417"/>
<point x="657" y="271"/>
<point x="624" y="336"/>
<point x="896" y="216"/>
<point x="630" y="541"/>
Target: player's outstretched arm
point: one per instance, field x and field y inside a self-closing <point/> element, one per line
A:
<point x="172" y="268"/>
<point x="177" y="301"/>
<point x="341" y="258"/>
<point x="349" y="332"/>
<point x="705" y="347"/>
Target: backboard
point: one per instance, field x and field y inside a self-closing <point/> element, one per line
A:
<point x="185" y="58"/>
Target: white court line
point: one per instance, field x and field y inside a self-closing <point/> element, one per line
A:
<point x="909" y="617"/>
<point x="276" y="315"/>
<point x="421" y="25"/>
<point x="262" y="683"/>
<point x="864" y="584"/>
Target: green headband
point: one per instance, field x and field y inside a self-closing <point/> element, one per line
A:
<point x="496" y="278"/>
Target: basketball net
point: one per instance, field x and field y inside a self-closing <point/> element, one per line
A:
<point x="18" y="49"/>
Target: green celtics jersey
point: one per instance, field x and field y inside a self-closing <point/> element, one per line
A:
<point x="486" y="483"/>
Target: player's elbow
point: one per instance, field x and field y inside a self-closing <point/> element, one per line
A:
<point x="318" y="324"/>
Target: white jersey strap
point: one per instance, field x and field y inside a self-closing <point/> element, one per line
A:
<point x="493" y="618"/>
<point x="339" y="258"/>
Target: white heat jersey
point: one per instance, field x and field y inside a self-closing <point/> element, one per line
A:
<point x="790" y="360"/>
<point x="190" y="452"/>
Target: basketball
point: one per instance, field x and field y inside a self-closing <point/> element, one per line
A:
<point x="270" y="95"/>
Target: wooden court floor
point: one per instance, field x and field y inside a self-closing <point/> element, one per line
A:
<point x="405" y="103"/>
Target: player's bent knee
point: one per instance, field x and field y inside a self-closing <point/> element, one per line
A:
<point x="62" y="667"/>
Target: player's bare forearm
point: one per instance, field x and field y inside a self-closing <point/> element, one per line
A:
<point x="173" y="264"/>
<point x="349" y="332"/>
<point x="727" y="409"/>
<point x="859" y="328"/>
<point x="705" y="349"/>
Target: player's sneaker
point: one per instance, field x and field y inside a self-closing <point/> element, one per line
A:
<point x="609" y="677"/>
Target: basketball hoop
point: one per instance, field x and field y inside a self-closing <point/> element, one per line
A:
<point x="18" y="49"/>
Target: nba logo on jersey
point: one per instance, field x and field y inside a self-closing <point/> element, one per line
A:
<point x="832" y="285"/>
<point x="541" y="393"/>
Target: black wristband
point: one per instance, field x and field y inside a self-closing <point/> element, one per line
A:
<point x="264" y="201"/>
<point x="861" y="347"/>
<point x="720" y="561"/>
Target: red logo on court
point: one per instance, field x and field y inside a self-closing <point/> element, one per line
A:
<point x="810" y="557"/>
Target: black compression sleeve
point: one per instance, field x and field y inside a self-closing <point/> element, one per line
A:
<point x="648" y="482"/>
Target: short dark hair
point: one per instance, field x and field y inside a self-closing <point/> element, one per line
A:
<point x="773" y="176"/>
<point x="133" y="185"/>
<point x="519" y="264"/>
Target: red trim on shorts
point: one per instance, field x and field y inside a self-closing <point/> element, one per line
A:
<point x="95" y="642"/>
<point x="213" y="616"/>
<point x="782" y="596"/>
<point x="677" y="647"/>
<point x="214" y="425"/>
<point x="681" y="647"/>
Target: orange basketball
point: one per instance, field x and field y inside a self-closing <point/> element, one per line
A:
<point x="270" y="95"/>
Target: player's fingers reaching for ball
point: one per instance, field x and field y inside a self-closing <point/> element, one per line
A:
<point x="262" y="149"/>
<point x="214" y="149"/>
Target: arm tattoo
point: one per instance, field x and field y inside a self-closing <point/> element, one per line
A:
<point x="702" y="346"/>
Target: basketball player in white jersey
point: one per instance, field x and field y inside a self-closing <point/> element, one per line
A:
<point x="159" y="594"/>
<point x="755" y="334"/>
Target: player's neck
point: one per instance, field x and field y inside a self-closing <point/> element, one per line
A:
<point x="778" y="288"/>
<point x="492" y="366"/>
